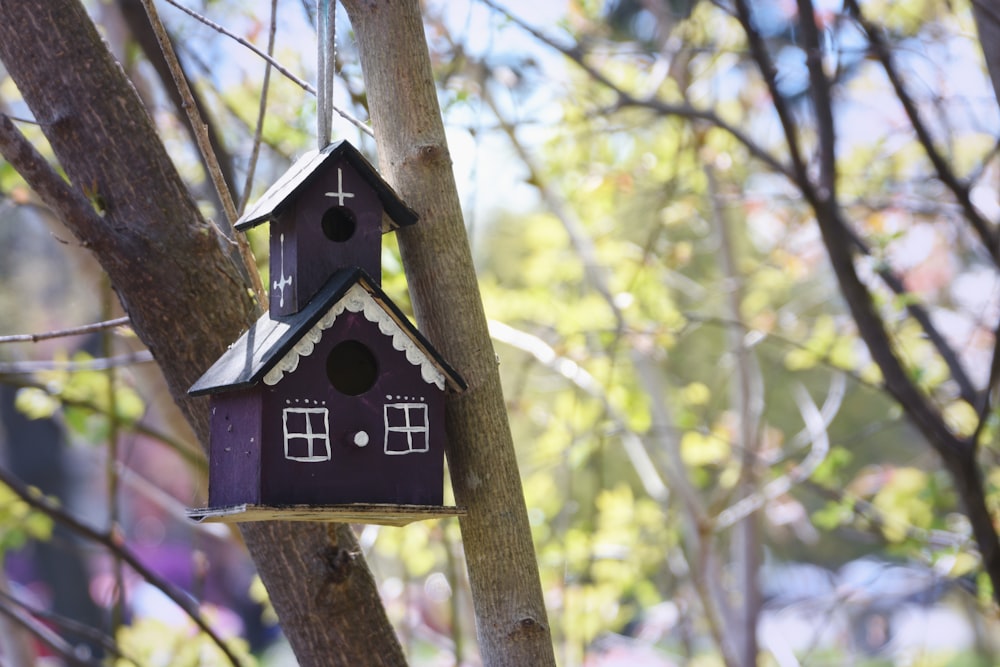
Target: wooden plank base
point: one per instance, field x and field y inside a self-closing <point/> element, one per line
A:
<point x="382" y="514"/>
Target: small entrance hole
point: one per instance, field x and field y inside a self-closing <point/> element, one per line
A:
<point x="339" y="224"/>
<point x="351" y="368"/>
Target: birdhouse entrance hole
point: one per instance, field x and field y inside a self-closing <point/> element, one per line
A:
<point x="339" y="224"/>
<point x="351" y="368"/>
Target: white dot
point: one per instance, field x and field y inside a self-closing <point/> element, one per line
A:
<point x="360" y="438"/>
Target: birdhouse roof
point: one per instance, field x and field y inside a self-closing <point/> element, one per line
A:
<point x="310" y="165"/>
<point x="273" y="346"/>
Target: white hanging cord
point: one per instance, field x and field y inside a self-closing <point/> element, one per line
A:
<point x="326" y="34"/>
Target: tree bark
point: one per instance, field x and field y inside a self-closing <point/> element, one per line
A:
<point x="182" y="284"/>
<point x="987" y="17"/>
<point x="511" y="620"/>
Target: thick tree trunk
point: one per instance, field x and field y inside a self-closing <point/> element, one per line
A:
<point x="184" y="287"/>
<point x="413" y="155"/>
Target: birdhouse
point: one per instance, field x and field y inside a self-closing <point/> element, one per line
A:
<point x="331" y="406"/>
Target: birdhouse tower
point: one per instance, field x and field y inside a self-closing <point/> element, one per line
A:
<point x="331" y="406"/>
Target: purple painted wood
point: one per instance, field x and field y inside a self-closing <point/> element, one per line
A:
<point x="375" y="455"/>
<point x="303" y="254"/>
<point x="235" y="452"/>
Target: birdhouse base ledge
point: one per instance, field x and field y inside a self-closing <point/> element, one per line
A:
<point x="381" y="514"/>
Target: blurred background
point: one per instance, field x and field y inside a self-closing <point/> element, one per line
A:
<point x="710" y="461"/>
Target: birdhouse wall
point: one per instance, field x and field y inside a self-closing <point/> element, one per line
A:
<point x="335" y="222"/>
<point x="234" y="459"/>
<point x="325" y="446"/>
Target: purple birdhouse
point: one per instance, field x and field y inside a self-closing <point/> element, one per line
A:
<point x="331" y="406"/>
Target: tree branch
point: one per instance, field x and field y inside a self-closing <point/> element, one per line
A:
<point x="201" y="136"/>
<point x="664" y="108"/>
<point x="113" y="542"/>
<point x="918" y="312"/>
<point x="145" y="36"/>
<point x="46" y="636"/>
<point x="59" y="195"/>
<point x="258" y="132"/>
<point x="65" y="333"/>
<point x="758" y="50"/>
<point x="985" y="229"/>
<point x="194" y="457"/>
<point x="816" y="427"/>
<point x="274" y="63"/>
<point x="68" y="624"/>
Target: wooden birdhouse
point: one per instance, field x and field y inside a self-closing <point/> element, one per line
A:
<point x="331" y="406"/>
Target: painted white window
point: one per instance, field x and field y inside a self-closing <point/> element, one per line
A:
<point x="406" y="428"/>
<point x="307" y="434"/>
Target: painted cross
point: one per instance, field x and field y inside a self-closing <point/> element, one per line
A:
<point x="340" y="194"/>
<point x="285" y="281"/>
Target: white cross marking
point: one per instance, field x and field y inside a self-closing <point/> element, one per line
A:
<point x="340" y="194"/>
<point x="285" y="280"/>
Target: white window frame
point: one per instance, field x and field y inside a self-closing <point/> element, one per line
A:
<point x="408" y="429"/>
<point x="309" y="436"/>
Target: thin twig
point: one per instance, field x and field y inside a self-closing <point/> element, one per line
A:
<point x="46" y="636"/>
<point x="197" y="124"/>
<point x="258" y="132"/>
<point x="274" y="63"/>
<point x="70" y="625"/>
<point x="546" y="355"/>
<point x="65" y="333"/>
<point x="114" y="543"/>
<point x="984" y="228"/>
<point x="306" y="86"/>
<point x="28" y="367"/>
<point x="653" y="104"/>
<point x="816" y="425"/>
<point x="71" y="204"/>
<point x="919" y="313"/>
<point x="191" y="455"/>
<point x="758" y="50"/>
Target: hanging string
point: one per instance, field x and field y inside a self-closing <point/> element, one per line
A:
<point x="326" y="50"/>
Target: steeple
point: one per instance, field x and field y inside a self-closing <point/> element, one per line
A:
<point x="327" y="213"/>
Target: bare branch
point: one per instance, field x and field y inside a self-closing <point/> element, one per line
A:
<point x="816" y="426"/>
<point x="100" y="364"/>
<point x="92" y="634"/>
<point x="635" y="450"/>
<point x="799" y="174"/>
<point x="65" y="333"/>
<point x="258" y="132"/>
<point x="627" y="100"/>
<point x="197" y="124"/>
<point x="984" y="228"/>
<point x="274" y="63"/>
<point x="192" y="455"/>
<point x="45" y="635"/>
<point x="919" y="313"/>
<point x="113" y="542"/>
<point x="865" y="510"/>
<point x="60" y="196"/>
<point x="223" y="31"/>
<point x="822" y="102"/>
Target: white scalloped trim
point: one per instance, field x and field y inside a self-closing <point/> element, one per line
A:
<point x="357" y="300"/>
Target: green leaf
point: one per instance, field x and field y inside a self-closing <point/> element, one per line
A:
<point x="35" y="403"/>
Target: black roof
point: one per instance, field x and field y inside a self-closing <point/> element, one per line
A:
<point x="269" y="339"/>
<point x="306" y="168"/>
